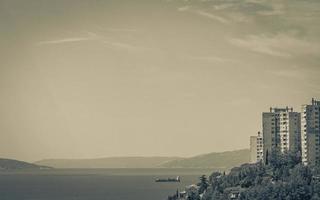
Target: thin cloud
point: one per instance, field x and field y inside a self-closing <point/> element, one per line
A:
<point x="121" y="30"/>
<point x="277" y="9"/>
<point x="86" y="36"/>
<point x="93" y="37"/>
<point x="212" y="16"/>
<point x="212" y="59"/>
<point x="184" y="8"/>
<point x="223" y="6"/>
<point x="123" y="45"/>
<point x="258" y="45"/>
<point x="296" y="74"/>
<point x="256" y="1"/>
<point x="203" y="14"/>
<point x="280" y="45"/>
<point x="65" y="40"/>
<point x="239" y="17"/>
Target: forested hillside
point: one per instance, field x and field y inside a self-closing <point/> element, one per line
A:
<point x="283" y="178"/>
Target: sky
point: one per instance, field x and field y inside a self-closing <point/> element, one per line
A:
<point x="93" y="78"/>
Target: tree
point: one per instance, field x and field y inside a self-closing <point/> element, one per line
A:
<point x="315" y="197"/>
<point x="193" y="196"/>
<point x="267" y="157"/>
<point x="283" y="178"/>
<point x="203" y="184"/>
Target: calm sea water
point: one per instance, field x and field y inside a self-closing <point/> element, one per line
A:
<point x="94" y="184"/>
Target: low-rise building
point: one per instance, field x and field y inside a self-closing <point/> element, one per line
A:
<point x="256" y="148"/>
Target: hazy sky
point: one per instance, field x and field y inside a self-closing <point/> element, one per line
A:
<point x="94" y="78"/>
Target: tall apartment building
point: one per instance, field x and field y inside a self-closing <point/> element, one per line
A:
<point x="256" y="148"/>
<point x="281" y="131"/>
<point x="310" y="136"/>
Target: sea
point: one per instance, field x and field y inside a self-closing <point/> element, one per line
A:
<point x="95" y="184"/>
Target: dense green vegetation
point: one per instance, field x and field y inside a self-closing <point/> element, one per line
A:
<point x="283" y="178"/>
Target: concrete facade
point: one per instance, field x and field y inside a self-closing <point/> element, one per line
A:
<point x="281" y="131"/>
<point x="256" y="148"/>
<point x="310" y="137"/>
<point x="253" y="149"/>
<point x="259" y="147"/>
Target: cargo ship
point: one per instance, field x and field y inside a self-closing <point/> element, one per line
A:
<point x="169" y="179"/>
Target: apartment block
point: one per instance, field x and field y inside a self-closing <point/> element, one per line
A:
<point x="281" y="128"/>
<point x="310" y="137"/>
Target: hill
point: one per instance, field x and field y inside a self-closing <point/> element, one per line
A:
<point x="285" y="177"/>
<point x="111" y="162"/>
<point x="221" y="160"/>
<point x="9" y="164"/>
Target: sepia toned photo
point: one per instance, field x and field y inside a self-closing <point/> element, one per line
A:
<point x="159" y="100"/>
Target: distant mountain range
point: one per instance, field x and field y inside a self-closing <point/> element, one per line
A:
<point x="111" y="162"/>
<point x="9" y="164"/>
<point x="221" y="160"/>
